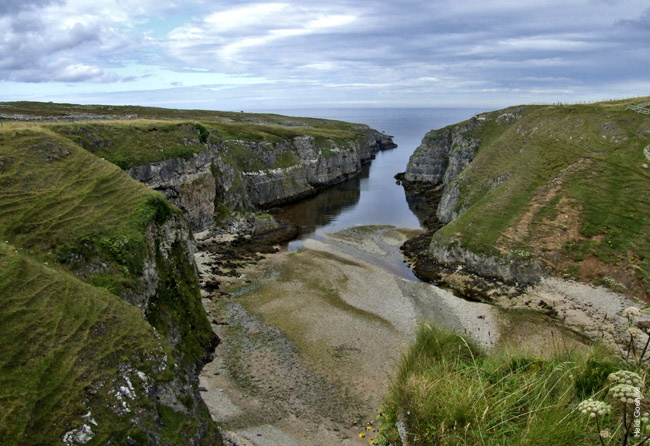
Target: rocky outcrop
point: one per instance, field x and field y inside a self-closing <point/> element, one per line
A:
<point x="510" y="269"/>
<point x="440" y="158"/>
<point x="435" y="172"/>
<point x="444" y="154"/>
<point x="169" y="298"/>
<point x="245" y="175"/>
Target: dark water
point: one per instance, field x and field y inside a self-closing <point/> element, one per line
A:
<point x="372" y="198"/>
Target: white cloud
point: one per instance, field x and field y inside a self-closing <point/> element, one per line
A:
<point x="226" y="34"/>
<point x="333" y="52"/>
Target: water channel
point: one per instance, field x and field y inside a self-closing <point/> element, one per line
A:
<point x="373" y="197"/>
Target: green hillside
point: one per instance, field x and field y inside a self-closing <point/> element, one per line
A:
<point x="61" y="337"/>
<point x="76" y="235"/>
<point x="567" y="184"/>
<point x="131" y="136"/>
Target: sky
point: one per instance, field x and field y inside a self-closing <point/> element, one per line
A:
<point x="260" y="55"/>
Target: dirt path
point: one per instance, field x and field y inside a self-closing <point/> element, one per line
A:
<point x="310" y="339"/>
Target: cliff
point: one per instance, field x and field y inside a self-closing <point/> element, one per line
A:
<point x="103" y="328"/>
<point x="536" y="190"/>
<point x="103" y="331"/>
<point x="210" y="168"/>
<point x="247" y="175"/>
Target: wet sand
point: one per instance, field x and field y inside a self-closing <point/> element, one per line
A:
<point x="311" y="339"/>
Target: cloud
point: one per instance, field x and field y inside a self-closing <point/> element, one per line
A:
<point x="10" y="7"/>
<point x="72" y="40"/>
<point x="350" y="51"/>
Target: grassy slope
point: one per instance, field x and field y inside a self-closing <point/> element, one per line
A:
<point x="160" y="134"/>
<point x="594" y="223"/>
<point x="448" y="392"/>
<point x="65" y="204"/>
<point x="61" y="336"/>
<point x="61" y="205"/>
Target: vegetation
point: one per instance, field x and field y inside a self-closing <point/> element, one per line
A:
<point x="566" y="183"/>
<point x="70" y="207"/>
<point x="75" y="235"/>
<point x="129" y="144"/>
<point x="131" y="136"/>
<point x="447" y="392"/>
<point x="60" y="337"/>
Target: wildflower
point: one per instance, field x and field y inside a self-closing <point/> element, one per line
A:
<point x="631" y="313"/>
<point x="625" y="393"/>
<point x="626" y="377"/>
<point x="634" y="332"/>
<point x="605" y="433"/>
<point x="594" y="407"/>
<point x="372" y="441"/>
<point x="368" y="428"/>
<point x="362" y="434"/>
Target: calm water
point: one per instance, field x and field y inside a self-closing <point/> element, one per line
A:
<point x="372" y="198"/>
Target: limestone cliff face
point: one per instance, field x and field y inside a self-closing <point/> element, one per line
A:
<point x="441" y="158"/>
<point x="440" y="163"/>
<point x="244" y="175"/>
<point x="509" y="269"/>
<point x="169" y="298"/>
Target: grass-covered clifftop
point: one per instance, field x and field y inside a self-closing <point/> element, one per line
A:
<point x="101" y="323"/>
<point x="132" y="136"/>
<point x="67" y="348"/>
<point x="207" y="163"/>
<point x="79" y="240"/>
<point x="566" y="184"/>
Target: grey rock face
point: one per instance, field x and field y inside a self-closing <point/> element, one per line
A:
<point x="430" y="160"/>
<point x="244" y="175"/>
<point x="508" y="269"/>
<point x="440" y="158"/>
<point x="446" y="211"/>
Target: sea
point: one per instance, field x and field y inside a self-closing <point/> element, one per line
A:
<point x="373" y="197"/>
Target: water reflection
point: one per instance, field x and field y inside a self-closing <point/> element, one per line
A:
<point x="323" y="208"/>
<point x="373" y="197"/>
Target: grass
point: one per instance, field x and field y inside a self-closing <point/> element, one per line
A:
<point x="517" y="165"/>
<point x="70" y="207"/>
<point x="448" y="392"/>
<point x="76" y="233"/>
<point x="73" y="208"/>
<point x="128" y="143"/>
<point x="136" y="136"/>
<point x="61" y="337"/>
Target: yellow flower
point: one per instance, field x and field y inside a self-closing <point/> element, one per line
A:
<point x="361" y="435"/>
<point x="368" y="427"/>
<point x="372" y="441"/>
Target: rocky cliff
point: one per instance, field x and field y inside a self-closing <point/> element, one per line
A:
<point x="245" y="175"/>
<point x="536" y="190"/>
<point x="103" y="330"/>
<point x="444" y="154"/>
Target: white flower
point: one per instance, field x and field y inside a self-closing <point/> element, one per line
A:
<point x="625" y="393"/>
<point x="626" y="377"/>
<point x="631" y="313"/>
<point x="592" y="408"/>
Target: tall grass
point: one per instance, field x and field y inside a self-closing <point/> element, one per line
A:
<point x="447" y="392"/>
